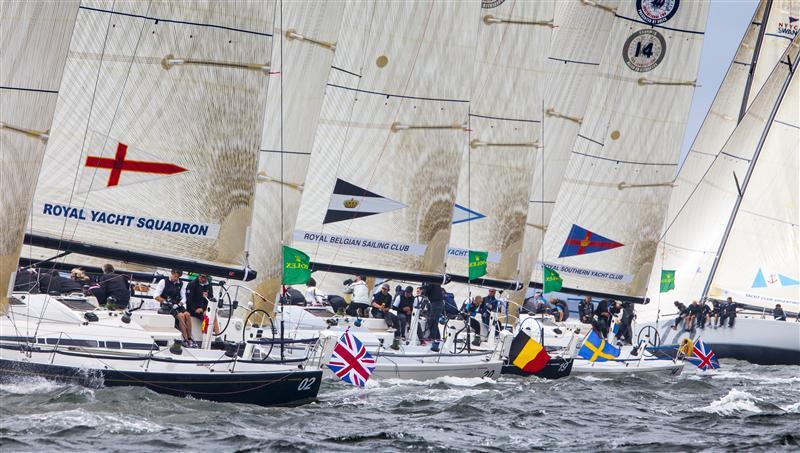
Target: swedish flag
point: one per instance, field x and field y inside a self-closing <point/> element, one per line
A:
<point x="596" y="349"/>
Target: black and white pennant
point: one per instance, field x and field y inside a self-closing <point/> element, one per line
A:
<point x="349" y="201"/>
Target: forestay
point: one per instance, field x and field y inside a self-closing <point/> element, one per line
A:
<point x="581" y="31"/>
<point x="760" y="260"/>
<point x="303" y="47"/>
<point x="505" y="124"/>
<point x="157" y="129"/>
<point x="34" y="37"/>
<point x="705" y="189"/>
<point x="381" y="184"/>
<point x="610" y="209"/>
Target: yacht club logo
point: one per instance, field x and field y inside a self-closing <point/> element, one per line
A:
<point x="349" y="201"/>
<point x="656" y="11"/>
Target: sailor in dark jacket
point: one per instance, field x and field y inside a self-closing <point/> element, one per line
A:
<point x="730" y="311"/>
<point x="778" y="314"/>
<point x="198" y="293"/>
<point x="112" y="290"/>
<point x="586" y="310"/>
<point x="170" y="292"/>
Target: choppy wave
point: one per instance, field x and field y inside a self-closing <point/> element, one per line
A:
<point x="735" y="401"/>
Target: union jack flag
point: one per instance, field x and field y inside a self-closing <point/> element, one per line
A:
<point x="703" y="357"/>
<point x="350" y="360"/>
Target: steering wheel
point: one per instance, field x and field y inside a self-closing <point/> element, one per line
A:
<point x="652" y="336"/>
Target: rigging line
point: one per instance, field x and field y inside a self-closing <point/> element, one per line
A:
<point x="401" y="96"/>
<point x="693" y="32"/>
<point x="336" y="68"/>
<point x="280" y="151"/>
<point x="504" y="119"/>
<point x="173" y="21"/>
<point x="280" y="96"/>
<point x="590" y="63"/>
<point x="35" y="90"/>
<point x="629" y="162"/>
<point x="753" y="62"/>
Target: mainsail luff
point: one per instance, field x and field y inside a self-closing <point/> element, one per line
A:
<point x="164" y="100"/>
<point x="392" y="127"/>
<point x="705" y="189"/>
<point x="303" y="47"/>
<point x="505" y="121"/>
<point x="609" y="212"/>
<point x="34" y="37"/>
<point x="761" y="243"/>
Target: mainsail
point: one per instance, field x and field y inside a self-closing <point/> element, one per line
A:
<point x="34" y="38"/>
<point x="609" y="212"/>
<point x="760" y="252"/>
<point x="302" y="52"/>
<point x="381" y="183"/>
<point x="157" y="129"/>
<point x="705" y="190"/>
<point x="505" y="124"/>
<point x="581" y="31"/>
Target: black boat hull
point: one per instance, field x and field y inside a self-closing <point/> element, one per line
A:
<point x="264" y="389"/>
<point x="556" y="368"/>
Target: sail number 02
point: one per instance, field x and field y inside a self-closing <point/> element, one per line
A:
<point x="306" y="384"/>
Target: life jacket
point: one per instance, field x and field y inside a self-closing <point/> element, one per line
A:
<point x="172" y="290"/>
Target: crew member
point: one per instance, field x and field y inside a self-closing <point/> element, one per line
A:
<point x="681" y="314"/>
<point x="314" y="296"/>
<point x="381" y="308"/>
<point x="404" y="305"/>
<point x="778" y="313"/>
<point x="586" y="310"/>
<point x="198" y="293"/>
<point x="625" y="333"/>
<point x="112" y="289"/>
<point x="470" y="310"/>
<point x="704" y="315"/>
<point x="169" y="291"/>
<point x="359" y="305"/>
<point x="730" y="310"/>
<point x="435" y="295"/>
<point x="603" y="317"/>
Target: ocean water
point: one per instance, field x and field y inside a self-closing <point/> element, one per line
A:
<point x="739" y="407"/>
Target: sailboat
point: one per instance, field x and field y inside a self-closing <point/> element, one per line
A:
<point x="381" y="185"/>
<point x="151" y="160"/>
<point x="740" y="204"/>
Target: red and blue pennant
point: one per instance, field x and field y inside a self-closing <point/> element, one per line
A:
<point x="582" y="241"/>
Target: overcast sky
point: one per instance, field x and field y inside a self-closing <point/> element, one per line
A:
<point x="727" y="22"/>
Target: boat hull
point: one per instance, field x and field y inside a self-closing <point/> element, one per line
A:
<point x="260" y="388"/>
<point x="556" y="368"/>
<point x="627" y="367"/>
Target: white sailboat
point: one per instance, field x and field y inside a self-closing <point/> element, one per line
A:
<point x="753" y="264"/>
<point x="143" y="157"/>
<point x="381" y="184"/>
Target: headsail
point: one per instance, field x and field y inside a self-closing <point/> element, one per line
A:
<point x="390" y="140"/>
<point x="304" y="43"/>
<point x="505" y="125"/>
<point x="609" y="212"/>
<point x="705" y="190"/>
<point x="34" y="38"/>
<point x="156" y="133"/>
<point x="760" y="257"/>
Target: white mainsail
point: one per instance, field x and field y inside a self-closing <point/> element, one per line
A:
<point x="381" y="184"/>
<point x="705" y="190"/>
<point x="303" y="47"/>
<point x="34" y="38"/>
<point x="607" y="220"/>
<point x="760" y="260"/>
<point x="505" y="125"/>
<point x="156" y="133"/>
<point x="581" y="31"/>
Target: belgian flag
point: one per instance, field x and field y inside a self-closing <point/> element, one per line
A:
<point x="527" y="354"/>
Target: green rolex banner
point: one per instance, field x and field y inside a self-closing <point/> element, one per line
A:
<point x="296" y="267"/>
<point x="477" y="264"/>
<point x="667" y="280"/>
<point x="552" y="281"/>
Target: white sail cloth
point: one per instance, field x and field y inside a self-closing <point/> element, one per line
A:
<point x="304" y="43"/>
<point x="760" y="260"/>
<point x="608" y="216"/>
<point x="34" y="38"/>
<point x="705" y="191"/>
<point x="157" y="129"/>
<point x="391" y="133"/>
<point x="509" y="77"/>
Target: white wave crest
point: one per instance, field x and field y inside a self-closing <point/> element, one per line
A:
<point x="735" y="401"/>
<point x="31" y="386"/>
<point x="792" y="408"/>
<point x="78" y="417"/>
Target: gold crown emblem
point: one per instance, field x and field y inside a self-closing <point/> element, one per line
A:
<point x="350" y="203"/>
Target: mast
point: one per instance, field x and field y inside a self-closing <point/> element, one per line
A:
<point x="743" y="187"/>
<point x="754" y="62"/>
